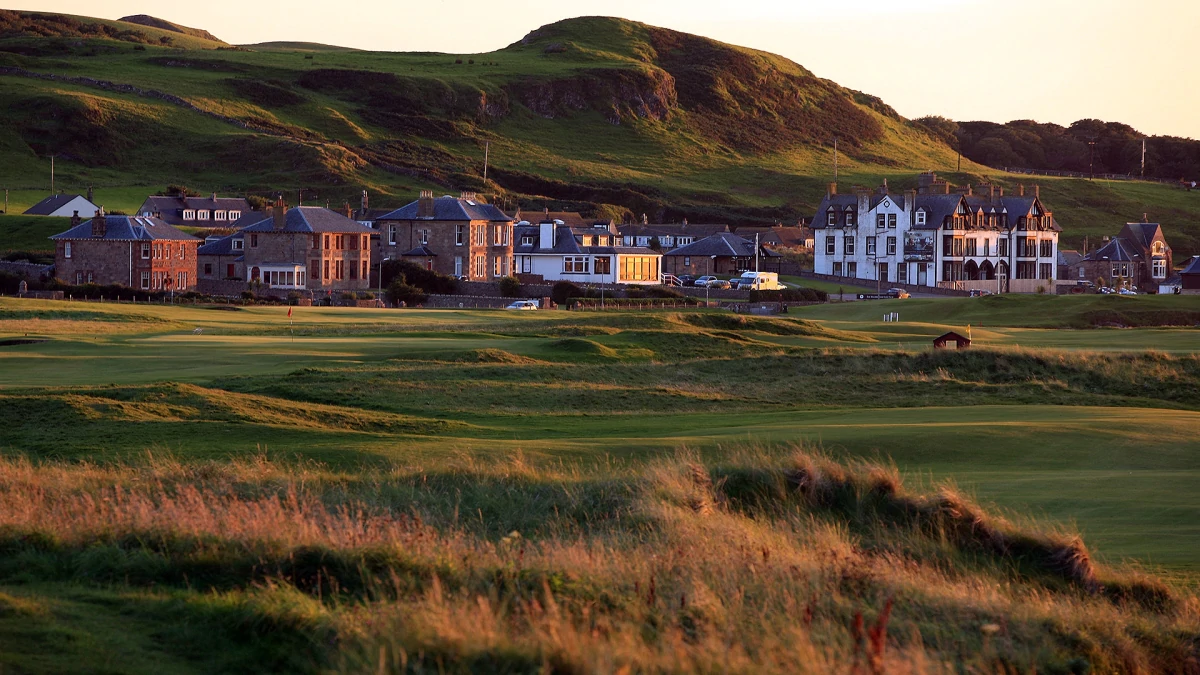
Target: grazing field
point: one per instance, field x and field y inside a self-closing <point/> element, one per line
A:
<point x="412" y="491"/>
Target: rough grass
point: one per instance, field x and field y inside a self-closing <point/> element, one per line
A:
<point x="749" y="565"/>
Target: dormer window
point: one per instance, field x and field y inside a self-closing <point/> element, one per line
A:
<point x="1158" y="248"/>
<point x="920" y="216"/>
<point x="189" y="214"/>
<point x="831" y="217"/>
<point x="527" y="240"/>
<point x="218" y="215"/>
<point x="234" y="215"/>
<point x="849" y="216"/>
<point x="238" y="244"/>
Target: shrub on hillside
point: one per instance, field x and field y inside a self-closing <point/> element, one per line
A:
<point x="510" y="287"/>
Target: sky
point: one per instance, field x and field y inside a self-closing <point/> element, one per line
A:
<point x="1131" y="61"/>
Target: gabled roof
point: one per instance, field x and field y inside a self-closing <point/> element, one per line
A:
<point x="420" y="252"/>
<point x="127" y="228"/>
<point x="309" y="219"/>
<point x="1142" y="234"/>
<point x="53" y="203"/>
<point x="572" y="218"/>
<point x="722" y="245"/>
<point x="222" y="246"/>
<point x="452" y="209"/>
<point x="247" y="218"/>
<point x="165" y="204"/>
<point x="938" y="208"/>
<point x="1193" y="266"/>
<point x="566" y="244"/>
<point x="1118" y="249"/>
<point x="1068" y="257"/>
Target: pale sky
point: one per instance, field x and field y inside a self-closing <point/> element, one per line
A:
<point x="1132" y="61"/>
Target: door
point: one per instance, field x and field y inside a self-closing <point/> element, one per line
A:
<point x="922" y="274"/>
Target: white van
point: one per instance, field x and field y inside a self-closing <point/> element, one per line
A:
<point x="759" y="281"/>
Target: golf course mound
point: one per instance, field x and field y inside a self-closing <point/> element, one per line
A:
<point x="581" y="347"/>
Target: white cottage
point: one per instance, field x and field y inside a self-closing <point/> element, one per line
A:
<point x="582" y="255"/>
<point x="64" y="206"/>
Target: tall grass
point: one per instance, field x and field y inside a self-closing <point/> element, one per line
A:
<point x="754" y="564"/>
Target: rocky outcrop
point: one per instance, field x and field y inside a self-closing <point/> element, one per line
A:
<point x="619" y="94"/>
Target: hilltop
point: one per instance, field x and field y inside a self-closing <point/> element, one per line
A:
<point x="154" y="22"/>
<point x="594" y="114"/>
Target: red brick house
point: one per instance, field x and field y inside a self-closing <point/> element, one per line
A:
<point x="142" y="253"/>
<point x="458" y="236"/>
<point x="1139" y="256"/>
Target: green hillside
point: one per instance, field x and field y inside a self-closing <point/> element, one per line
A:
<point x="590" y="113"/>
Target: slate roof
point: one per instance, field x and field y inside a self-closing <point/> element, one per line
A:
<point x="51" y="204"/>
<point x="1193" y="267"/>
<point x="451" y="209"/>
<point x="1067" y="257"/>
<point x="698" y="230"/>
<point x="1116" y="250"/>
<point x="1143" y="233"/>
<point x="722" y="245"/>
<point x="566" y="244"/>
<point x="247" y="218"/>
<point x="309" y="219"/>
<point x="938" y="208"/>
<point x="420" y="252"/>
<point x="572" y="218"/>
<point x="222" y="246"/>
<point x="127" y="228"/>
<point x="165" y="204"/>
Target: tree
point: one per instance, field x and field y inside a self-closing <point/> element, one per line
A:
<point x="564" y="291"/>
<point x="400" y="292"/>
<point x="510" y="287"/>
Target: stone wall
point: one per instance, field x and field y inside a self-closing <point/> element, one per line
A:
<point x="469" y="302"/>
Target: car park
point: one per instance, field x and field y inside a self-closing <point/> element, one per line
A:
<point x="525" y="305"/>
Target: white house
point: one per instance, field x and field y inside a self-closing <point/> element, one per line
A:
<point x="582" y="255"/>
<point x="934" y="238"/>
<point x="64" y="206"/>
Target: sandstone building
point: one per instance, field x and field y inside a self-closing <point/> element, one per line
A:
<point x="142" y="253"/>
<point x="461" y="237"/>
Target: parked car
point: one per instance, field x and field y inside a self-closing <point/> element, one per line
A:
<point x="720" y="283"/>
<point x="523" y="305"/>
<point x="1107" y="290"/>
<point x="1126" y="291"/>
<point x="686" y="279"/>
<point x="705" y="280"/>
<point x="979" y="293"/>
<point x="899" y="293"/>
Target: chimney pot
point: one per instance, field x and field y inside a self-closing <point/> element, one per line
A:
<point x="832" y="189"/>
<point x="1021" y="190"/>
<point x="99" y="224"/>
<point x="279" y="214"/>
<point x="425" y="204"/>
<point x="1037" y="191"/>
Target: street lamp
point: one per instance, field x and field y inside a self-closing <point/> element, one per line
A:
<point x="712" y="259"/>
<point x="381" y="272"/>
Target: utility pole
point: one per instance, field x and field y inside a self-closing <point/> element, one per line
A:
<point x="1092" y="158"/>
<point x="6" y="200"/>
<point x="959" y="170"/>
<point x="487" y="145"/>
<point x="1143" y="158"/>
<point x="835" y="160"/>
<point x="300" y="197"/>
<point x="52" y="190"/>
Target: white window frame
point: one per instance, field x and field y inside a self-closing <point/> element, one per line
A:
<point x="145" y="251"/>
<point x="145" y="281"/>
<point x="218" y="215"/>
<point x="189" y="214"/>
<point x="202" y="215"/>
<point x="67" y="250"/>
<point x="239" y="244"/>
<point x="1159" y="269"/>
<point x="577" y="264"/>
<point x="234" y="215"/>
<point x="391" y="234"/>
<point x="920" y="216"/>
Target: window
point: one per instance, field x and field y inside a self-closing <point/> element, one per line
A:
<point x="181" y="280"/>
<point x="830" y="245"/>
<point x="575" y="264"/>
<point x="1027" y="248"/>
<point x="848" y="246"/>
<point x="325" y="242"/>
<point x="182" y="252"/>
<point x="603" y="265"/>
<point x="852" y="269"/>
<point x="423" y="235"/>
<point x="366" y="241"/>
<point x="189" y="214"/>
<point x="145" y="251"/>
<point x="849" y="216"/>
<point x="480" y="266"/>
<point x="218" y="215"/>
<point x="208" y="269"/>
<point x="314" y="269"/>
<point x="325" y="270"/>
<point x="1046" y="271"/>
<point x="145" y="280"/>
<point x="239" y="244"/>
<point x="1158" y="248"/>
<point x="831" y="217"/>
<point x="365" y="269"/>
<point x="1002" y="248"/>
<point x="1046" y="249"/>
<point x="78" y="278"/>
<point x="639" y="268"/>
<point x="984" y="246"/>
<point x="339" y="242"/>
<point x="971" y="247"/>
<point x="837" y="269"/>
<point x="479" y="236"/>
<point x="891" y="221"/>
<point x="234" y="215"/>
<point x="880" y="221"/>
<point x="202" y="215"/>
<point x="527" y="240"/>
<point x="459" y="234"/>
<point x="902" y="273"/>
<point x="687" y="261"/>
<point x="254" y="240"/>
<point x="1026" y="270"/>
<point x="458" y="266"/>
<point x="496" y="267"/>
<point x="920" y="216"/>
<point x="891" y="246"/>
<point x="353" y="270"/>
<point x="952" y="246"/>
<point x="67" y="250"/>
<point x="883" y="272"/>
<point x="1159" y="270"/>
<point x="870" y="245"/>
<point x="392" y="234"/>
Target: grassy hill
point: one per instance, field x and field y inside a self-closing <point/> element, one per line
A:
<point x="594" y="113"/>
<point x="476" y="491"/>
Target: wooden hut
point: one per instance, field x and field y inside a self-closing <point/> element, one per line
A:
<point x="944" y="341"/>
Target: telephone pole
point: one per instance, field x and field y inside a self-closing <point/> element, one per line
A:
<point x="1143" y="158"/>
<point x="1092" y="158"/>
<point x="52" y="190"/>
<point x="487" y="145"/>
<point x="835" y="160"/>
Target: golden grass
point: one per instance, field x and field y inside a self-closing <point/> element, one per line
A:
<point x="755" y="565"/>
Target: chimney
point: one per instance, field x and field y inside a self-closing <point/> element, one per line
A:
<point x="946" y="187"/>
<point x="926" y="181"/>
<point x="425" y="204"/>
<point x="883" y="189"/>
<point x="214" y="196"/>
<point x="99" y="224"/>
<point x="279" y="213"/>
<point x="970" y="192"/>
<point x="1001" y="192"/>
<point x="684" y="224"/>
<point x="1145" y="217"/>
<point x="991" y="193"/>
<point x="1020" y="190"/>
<point x="467" y="196"/>
<point x="348" y="211"/>
<point x="91" y="198"/>
<point x="910" y="200"/>
<point x="365" y="202"/>
<point x="75" y="219"/>
<point x="1037" y="191"/>
<point x="832" y="190"/>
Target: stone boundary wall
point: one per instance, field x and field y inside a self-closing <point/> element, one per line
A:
<point x="472" y="302"/>
<point x="866" y="283"/>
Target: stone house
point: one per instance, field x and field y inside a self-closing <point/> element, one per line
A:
<point x="590" y="254"/>
<point x="304" y="248"/>
<point x="142" y="253"/>
<point x="724" y="254"/>
<point x="457" y="236"/>
<point x="1139" y="257"/>
<point x="211" y="211"/>
<point x="222" y="259"/>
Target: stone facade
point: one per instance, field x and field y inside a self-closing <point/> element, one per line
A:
<point x="461" y="237"/>
<point x="307" y="248"/>
<point x="139" y="253"/>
